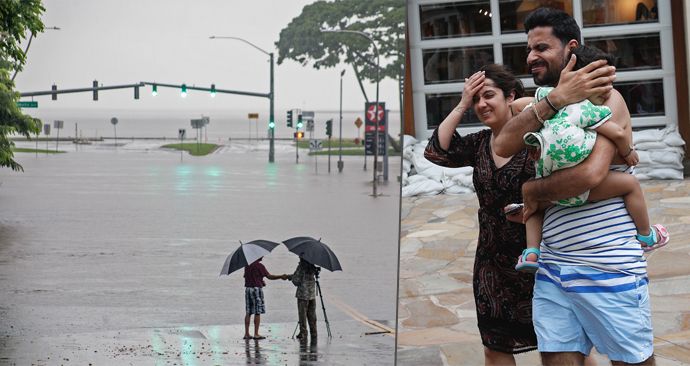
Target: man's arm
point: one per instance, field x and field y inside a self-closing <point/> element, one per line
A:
<point x="582" y="177"/>
<point x="573" y="86"/>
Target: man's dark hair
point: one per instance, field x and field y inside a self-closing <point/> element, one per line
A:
<point x="588" y="54"/>
<point x="563" y="25"/>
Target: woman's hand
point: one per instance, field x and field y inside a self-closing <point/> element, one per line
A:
<point x="472" y="85"/>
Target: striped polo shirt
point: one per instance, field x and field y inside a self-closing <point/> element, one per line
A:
<point x="600" y="235"/>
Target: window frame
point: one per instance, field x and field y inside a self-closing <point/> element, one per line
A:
<point x="497" y="40"/>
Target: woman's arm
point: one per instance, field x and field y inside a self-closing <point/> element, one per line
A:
<point x="447" y="128"/>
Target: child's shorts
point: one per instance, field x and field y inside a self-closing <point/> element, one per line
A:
<point x="254" y="300"/>
<point x="575" y="307"/>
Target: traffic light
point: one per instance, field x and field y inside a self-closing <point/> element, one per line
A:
<point x="54" y="95"/>
<point x="136" y="92"/>
<point x="154" y="92"/>
<point x="299" y="135"/>
<point x="299" y="121"/>
<point x="271" y="124"/>
<point x="213" y="90"/>
<point x="329" y="128"/>
<point x="183" y="93"/>
<point x="95" y="90"/>
<point x="289" y="118"/>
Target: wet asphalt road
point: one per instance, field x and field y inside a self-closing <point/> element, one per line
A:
<point x="127" y="241"/>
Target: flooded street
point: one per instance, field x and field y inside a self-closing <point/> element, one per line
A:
<point x="102" y="247"/>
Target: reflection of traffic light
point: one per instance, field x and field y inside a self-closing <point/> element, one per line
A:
<point x="299" y="135"/>
<point x="329" y="128"/>
<point x="299" y="120"/>
<point x="183" y="92"/>
<point x="213" y="90"/>
<point x="289" y="118"/>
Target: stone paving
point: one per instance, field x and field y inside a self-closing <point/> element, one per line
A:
<point x="437" y="320"/>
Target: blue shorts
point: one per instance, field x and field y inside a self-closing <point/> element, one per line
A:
<point x="577" y="307"/>
<point x="254" y="300"/>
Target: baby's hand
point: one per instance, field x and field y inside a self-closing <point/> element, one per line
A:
<point x="632" y="159"/>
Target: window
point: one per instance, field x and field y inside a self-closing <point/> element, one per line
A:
<point x="457" y="19"/>
<point x="608" y="12"/>
<point x="515" y="57"/>
<point x="632" y="52"/>
<point x="438" y="106"/>
<point x="644" y="98"/>
<point x="514" y="12"/>
<point x="452" y="65"/>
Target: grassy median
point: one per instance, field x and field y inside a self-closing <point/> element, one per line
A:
<point x="194" y="149"/>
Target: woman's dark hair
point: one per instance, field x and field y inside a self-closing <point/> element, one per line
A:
<point x="504" y="79"/>
<point x="563" y="25"/>
<point x="588" y="54"/>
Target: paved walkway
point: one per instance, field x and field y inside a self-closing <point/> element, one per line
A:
<point x="437" y="320"/>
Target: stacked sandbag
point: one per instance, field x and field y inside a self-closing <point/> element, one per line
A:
<point x="423" y="178"/>
<point x="661" y="153"/>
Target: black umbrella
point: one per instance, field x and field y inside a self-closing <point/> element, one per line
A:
<point x="314" y="252"/>
<point x="247" y="254"/>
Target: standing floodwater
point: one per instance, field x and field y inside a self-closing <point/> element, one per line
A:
<point x="104" y="249"/>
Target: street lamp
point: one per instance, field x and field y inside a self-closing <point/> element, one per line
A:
<point x="376" y="112"/>
<point x="340" y="135"/>
<point x="271" y="97"/>
<point x="29" y="45"/>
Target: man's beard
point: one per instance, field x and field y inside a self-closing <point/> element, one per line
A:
<point x="551" y="77"/>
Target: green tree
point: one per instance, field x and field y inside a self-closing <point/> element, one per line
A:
<point x="18" y="19"/>
<point x="383" y="20"/>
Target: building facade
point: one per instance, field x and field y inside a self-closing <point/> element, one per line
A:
<point x="450" y="40"/>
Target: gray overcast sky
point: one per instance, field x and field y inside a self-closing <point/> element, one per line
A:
<point x="125" y="41"/>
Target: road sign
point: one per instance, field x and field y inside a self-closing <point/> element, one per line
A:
<point x="253" y="116"/>
<point x="27" y="104"/>
<point x="315" y="145"/>
<point x="310" y="125"/>
<point x="197" y="123"/>
<point x="371" y="117"/>
<point x="181" y="133"/>
<point x="308" y="115"/>
<point x="58" y="124"/>
<point x="358" y="122"/>
<point x="113" y="121"/>
<point x="46" y="129"/>
<point x="370" y="128"/>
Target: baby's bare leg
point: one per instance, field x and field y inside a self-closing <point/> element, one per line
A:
<point x="617" y="184"/>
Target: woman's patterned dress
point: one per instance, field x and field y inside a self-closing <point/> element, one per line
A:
<point x="503" y="296"/>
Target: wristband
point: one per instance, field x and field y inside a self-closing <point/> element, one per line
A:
<point x="536" y="114"/>
<point x="550" y="104"/>
<point x="629" y="152"/>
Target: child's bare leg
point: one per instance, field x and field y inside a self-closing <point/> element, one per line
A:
<point x="617" y="184"/>
<point x="533" y="228"/>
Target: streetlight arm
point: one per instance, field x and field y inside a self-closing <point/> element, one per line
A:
<point x="242" y="40"/>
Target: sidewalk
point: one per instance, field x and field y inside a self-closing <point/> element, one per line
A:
<point x="204" y="345"/>
<point x="437" y="320"/>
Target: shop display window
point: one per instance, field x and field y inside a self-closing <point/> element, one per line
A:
<point x="609" y="12"/>
<point x="457" y="19"/>
<point x="514" y="12"/>
<point x="450" y="65"/>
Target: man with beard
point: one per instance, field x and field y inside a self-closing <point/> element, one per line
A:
<point x="591" y="285"/>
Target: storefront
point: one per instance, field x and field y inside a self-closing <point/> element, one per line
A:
<point x="449" y="40"/>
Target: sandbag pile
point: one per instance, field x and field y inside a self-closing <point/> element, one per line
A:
<point x="661" y="157"/>
<point x="423" y="178"/>
<point x="661" y="153"/>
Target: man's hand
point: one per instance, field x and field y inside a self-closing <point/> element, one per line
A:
<point x="574" y="86"/>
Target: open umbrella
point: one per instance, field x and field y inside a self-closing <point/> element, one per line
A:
<point x="314" y="252"/>
<point x="247" y="254"/>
